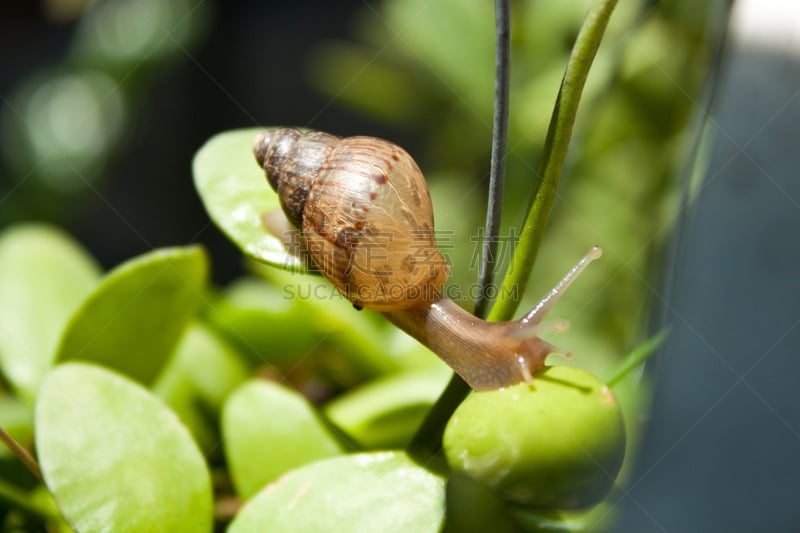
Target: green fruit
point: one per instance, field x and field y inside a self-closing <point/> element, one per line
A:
<point x="555" y="444"/>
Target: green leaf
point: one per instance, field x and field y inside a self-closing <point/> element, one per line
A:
<point x="236" y="194"/>
<point x="382" y="491"/>
<point x="384" y="413"/>
<point x="298" y="322"/>
<point x="264" y="322"/>
<point x="44" y="276"/>
<point x="115" y="458"/>
<point x="135" y="317"/>
<point x="639" y="355"/>
<point x="268" y="430"/>
<point x="195" y="383"/>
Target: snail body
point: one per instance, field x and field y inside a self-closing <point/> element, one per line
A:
<point x="366" y="222"/>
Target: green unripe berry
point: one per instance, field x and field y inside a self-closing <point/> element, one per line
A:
<point x="555" y="444"/>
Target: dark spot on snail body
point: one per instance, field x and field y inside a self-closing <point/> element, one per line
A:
<point x="380" y="179"/>
<point x="358" y="225"/>
<point x="395" y="157"/>
<point x="373" y="195"/>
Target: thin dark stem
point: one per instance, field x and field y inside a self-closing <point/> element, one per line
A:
<point x="428" y="439"/>
<point x="553" y="155"/>
<point x="498" y="163"/>
<point x="427" y="442"/>
<point x="21" y="453"/>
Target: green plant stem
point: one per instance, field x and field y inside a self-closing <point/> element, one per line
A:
<point x="498" y="162"/>
<point x="553" y="157"/>
<point x="21" y="453"/>
<point x="428" y="440"/>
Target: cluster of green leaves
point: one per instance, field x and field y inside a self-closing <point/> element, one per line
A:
<point x="142" y="388"/>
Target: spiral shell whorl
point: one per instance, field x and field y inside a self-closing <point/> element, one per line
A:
<point x="291" y="160"/>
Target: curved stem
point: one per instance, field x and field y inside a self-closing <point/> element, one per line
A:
<point x="553" y="156"/>
<point x="21" y="453"/>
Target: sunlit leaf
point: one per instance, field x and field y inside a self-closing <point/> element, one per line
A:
<point x="236" y="194"/>
<point x="384" y="491"/>
<point x="115" y="458"/>
<point x="135" y="317"/>
<point x="44" y="276"/>
<point x="269" y="430"/>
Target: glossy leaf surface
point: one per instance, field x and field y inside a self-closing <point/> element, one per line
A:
<point x="382" y="491"/>
<point x="236" y="194"/>
<point x="115" y="458"/>
<point x="270" y="429"/>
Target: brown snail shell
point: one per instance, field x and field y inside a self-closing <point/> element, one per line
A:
<point x="365" y="214"/>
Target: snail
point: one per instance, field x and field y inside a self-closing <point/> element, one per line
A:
<point x="366" y="222"/>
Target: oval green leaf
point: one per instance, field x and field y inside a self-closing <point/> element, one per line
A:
<point x="44" y="276"/>
<point x="386" y="412"/>
<point x="268" y="430"/>
<point x="382" y="491"/>
<point x="236" y="194"/>
<point x="135" y="317"/>
<point x="196" y="381"/>
<point x="283" y="320"/>
<point x="115" y="458"/>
